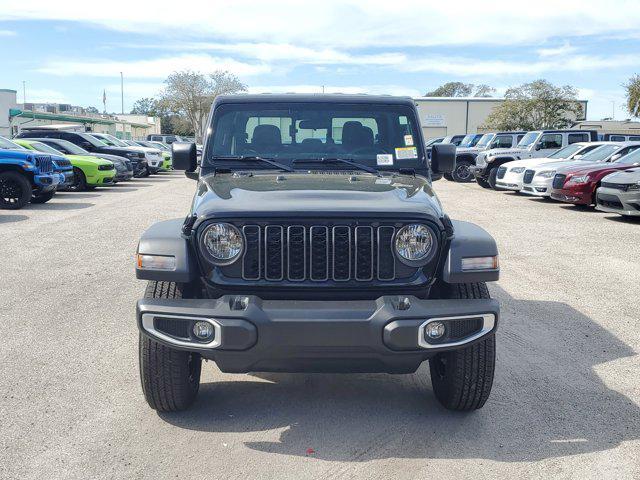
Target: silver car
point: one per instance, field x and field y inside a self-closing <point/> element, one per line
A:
<point x="620" y="193"/>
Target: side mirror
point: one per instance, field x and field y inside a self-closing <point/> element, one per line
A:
<point x="87" y="146"/>
<point x="184" y="156"/>
<point x="539" y="146"/>
<point x="443" y="158"/>
<point x="577" y="157"/>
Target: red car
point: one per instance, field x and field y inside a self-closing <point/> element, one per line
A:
<point x="577" y="184"/>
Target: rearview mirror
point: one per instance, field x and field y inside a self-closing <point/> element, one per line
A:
<point x="184" y="156"/>
<point x="443" y="158"/>
<point x="615" y="157"/>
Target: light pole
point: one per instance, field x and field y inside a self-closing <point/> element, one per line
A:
<point x="121" y="94"/>
<point x="24" y="92"/>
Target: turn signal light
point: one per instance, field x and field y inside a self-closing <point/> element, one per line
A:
<point x="479" y="263"/>
<point x="155" y="262"/>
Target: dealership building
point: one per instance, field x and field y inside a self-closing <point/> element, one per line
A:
<point x="15" y="116"/>
<point x="442" y="116"/>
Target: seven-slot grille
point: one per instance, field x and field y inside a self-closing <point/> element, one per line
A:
<point x="44" y="164"/>
<point x="501" y="172"/>
<point x="318" y="253"/>
<point x="528" y="176"/>
<point x="558" y="181"/>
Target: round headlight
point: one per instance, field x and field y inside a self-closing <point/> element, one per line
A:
<point x="222" y="242"/>
<point x="414" y="243"/>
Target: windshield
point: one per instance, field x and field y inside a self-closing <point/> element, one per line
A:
<point x="111" y="141"/>
<point x="630" y="158"/>
<point x="600" y="154"/>
<point x="95" y="141"/>
<point x="8" y="145"/>
<point x="485" y="139"/>
<point x="469" y="140"/>
<point x="68" y="147"/>
<point x="528" y="139"/>
<point x="374" y="135"/>
<point x="433" y="141"/>
<point x="41" y="147"/>
<point x="159" y="145"/>
<point x="566" y="152"/>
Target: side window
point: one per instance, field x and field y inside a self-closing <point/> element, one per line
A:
<point x="551" y="140"/>
<point x="578" y="137"/>
<point x="520" y="137"/>
<point x="634" y="139"/>
<point x="503" y="141"/>
<point x="617" y="138"/>
<point x="283" y="124"/>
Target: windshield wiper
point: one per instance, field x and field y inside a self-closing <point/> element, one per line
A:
<point x="346" y="161"/>
<point x="254" y="158"/>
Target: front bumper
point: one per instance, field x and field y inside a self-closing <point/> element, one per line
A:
<point x="481" y="172"/>
<point x="68" y="179"/>
<point x="383" y="335"/>
<point x="539" y="187"/>
<point x="122" y="176"/>
<point x="46" y="182"/>
<point x="612" y="200"/>
<point x="577" y="196"/>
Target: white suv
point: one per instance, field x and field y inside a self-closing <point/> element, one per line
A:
<point x="152" y="155"/>
<point x="536" y="144"/>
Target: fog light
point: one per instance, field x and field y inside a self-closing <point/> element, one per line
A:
<point x="203" y="330"/>
<point x="434" y="330"/>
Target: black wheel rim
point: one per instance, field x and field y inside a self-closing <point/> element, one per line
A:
<point x="10" y="192"/>
<point x="463" y="172"/>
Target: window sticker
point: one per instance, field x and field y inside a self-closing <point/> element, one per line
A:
<point x="406" y="153"/>
<point x="408" y="140"/>
<point x="384" y="158"/>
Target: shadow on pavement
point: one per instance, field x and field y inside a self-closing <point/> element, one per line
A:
<point x="12" y="218"/>
<point x="547" y="401"/>
<point x="623" y="218"/>
<point x="52" y="205"/>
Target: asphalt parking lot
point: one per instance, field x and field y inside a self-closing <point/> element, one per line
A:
<point x="565" y="403"/>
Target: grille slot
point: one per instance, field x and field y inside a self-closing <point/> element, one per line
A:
<point x="319" y="253"/>
<point x="501" y="172"/>
<point x="558" y="181"/>
<point x="44" y="164"/>
<point x="528" y="176"/>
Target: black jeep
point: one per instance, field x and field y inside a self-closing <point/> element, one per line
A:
<point x="315" y="243"/>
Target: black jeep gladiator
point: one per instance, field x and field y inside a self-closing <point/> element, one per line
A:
<point x="315" y="243"/>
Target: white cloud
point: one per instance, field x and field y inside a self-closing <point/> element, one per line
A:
<point x="7" y="33"/>
<point x="562" y="50"/>
<point x="350" y="23"/>
<point x="150" y="68"/>
<point x="44" y="95"/>
<point x="348" y="89"/>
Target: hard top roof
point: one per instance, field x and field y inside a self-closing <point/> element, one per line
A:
<point x="313" y="98"/>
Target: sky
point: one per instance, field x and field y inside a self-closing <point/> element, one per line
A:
<point x="70" y="51"/>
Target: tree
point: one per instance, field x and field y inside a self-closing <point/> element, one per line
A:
<point x="459" y="89"/>
<point x="146" y="106"/>
<point x="92" y="110"/>
<point x="536" y="105"/>
<point x="633" y="95"/>
<point x="190" y="94"/>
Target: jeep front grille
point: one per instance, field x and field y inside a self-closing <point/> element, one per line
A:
<point x="318" y="253"/>
<point x="44" y="163"/>
<point x="528" y="176"/>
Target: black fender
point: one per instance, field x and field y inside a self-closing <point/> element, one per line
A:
<point x="500" y="161"/>
<point x="166" y="239"/>
<point x="469" y="240"/>
<point x="467" y="157"/>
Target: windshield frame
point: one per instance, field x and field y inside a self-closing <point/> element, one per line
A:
<point x="566" y="147"/>
<point x="529" y="135"/>
<point x="418" y="164"/>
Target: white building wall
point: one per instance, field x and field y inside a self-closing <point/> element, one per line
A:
<point x="8" y="100"/>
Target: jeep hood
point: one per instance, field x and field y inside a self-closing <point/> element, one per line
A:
<point x="20" y="154"/>
<point x="314" y="193"/>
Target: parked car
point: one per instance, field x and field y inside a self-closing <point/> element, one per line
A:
<point x="510" y="175"/>
<point x="168" y="139"/>
<point x="578" y="185"/>
<point x="619" y="192"/>
<point x="533" y="144"/>
<point x="61" y="164"/>
<point x="152" y="155"/>
<point x="121" y="164"/>
<point x="538" y="180"/>
<point x="616" y="137"/>
<point x="25" y="176"/>
<point x="165" y="151"/>
<point x="88" y="172"/>
<point x="310" y="262"/>
<point x="466" y="156"/>
<point x="135" y="163"/>
<point x="453" y="139"/>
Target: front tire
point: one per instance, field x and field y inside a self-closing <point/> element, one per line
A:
<point x="15" y="190"/>
<point x="462" y="378"/>
<point x="462" y="172"/>
<point x="79" y="181"/>
<point x="493" y="177"/>
<point x="170" y="378"/>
